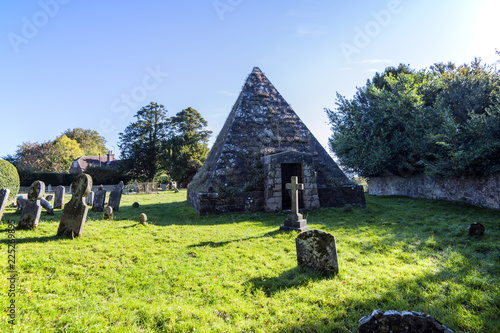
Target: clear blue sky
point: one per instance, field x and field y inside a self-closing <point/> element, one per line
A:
<point x="93" y="64"/>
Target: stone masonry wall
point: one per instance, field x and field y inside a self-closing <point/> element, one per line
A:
<point x="341" y="196"/>
<point x="220" y="203"/>
<point x="476" y="191"/>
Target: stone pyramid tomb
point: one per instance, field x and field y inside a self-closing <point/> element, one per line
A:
<point x="261" y="146"/>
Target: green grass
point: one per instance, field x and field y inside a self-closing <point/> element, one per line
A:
<point x="238" y="272"/>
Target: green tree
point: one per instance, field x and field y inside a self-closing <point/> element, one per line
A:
<point x="187" y="145"/>
<point x="62" y="151"/>
<point x="90" y="141"/>
<point x="33" y="156"/>
<point x="141" y="142"/>
<point x="406" y="122"/>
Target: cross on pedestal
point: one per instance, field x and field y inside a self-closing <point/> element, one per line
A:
<point x="295" y="220"/>
<point x="295" y="187"/>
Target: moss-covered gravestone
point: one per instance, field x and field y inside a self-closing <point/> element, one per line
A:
<point x="75" y="211"/>
<point x="30" y="214"/>
<point x="4" y="195"/>
<point x="108" y="213"/>
<point x="400" y="322"/>
<point x="317" y="250"/>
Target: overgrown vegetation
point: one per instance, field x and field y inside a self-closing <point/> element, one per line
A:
<point x="443" y="121"/>
<point x="238" y="272"/>
<point x="9" y="178"/>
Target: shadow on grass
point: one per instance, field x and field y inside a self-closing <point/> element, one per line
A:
<point x="40" y="239"/>
<point x="293" y="278"/>
<point x="219" y="244"/>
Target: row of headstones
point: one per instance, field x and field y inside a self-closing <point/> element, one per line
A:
<point x="74" y="212"/>
<point x="164" y="187"/>
<point x="97" y="200"/>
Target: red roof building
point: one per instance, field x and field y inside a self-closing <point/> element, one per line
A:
<point x="79" y="165"/>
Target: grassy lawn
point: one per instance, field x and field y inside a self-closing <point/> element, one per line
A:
<point x="238" y="272"/>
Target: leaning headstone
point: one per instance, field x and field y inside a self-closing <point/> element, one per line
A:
<point x="317" y="250"/>
<point x="143" y="218"/>
<point x="30" y="214"/>
<point x="99" y="199"/>
<point x="476" y="229"/>
<point x="90" y="198"/>
<point x="4" y="196"/>
<point x="75" y="212"/>
<point x="115" y="196"/>
<point x="108" y="213"/>
<point x="163" y="187"/>
<point x="59" y="197"/>
<point x="135" y="187"/>
<point x="46" y="205"/>
<point x="50" y="197"/>
<point x="400" y="322"/>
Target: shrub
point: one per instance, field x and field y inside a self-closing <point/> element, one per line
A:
<point x="9" y="178"/>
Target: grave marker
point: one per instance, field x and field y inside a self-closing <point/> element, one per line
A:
<point x="317" y="250"/>
<point x="108" y="213"/>
<point x="75" y="212"/>
<point x="295" y="220"/>
<point x="99" y="199"/>
<point x="30" y="214"/>
<point x="90" y="198"/>
<point x="115" y="196"/>
<point x="59" y="197"/>
<point x="400" y="322"/>
<point x="4" y="196"/>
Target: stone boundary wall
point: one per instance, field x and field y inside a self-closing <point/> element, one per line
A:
<point x="341" y="196"/>
<point x="220" y="203"/>
<point x="483" y="192"/>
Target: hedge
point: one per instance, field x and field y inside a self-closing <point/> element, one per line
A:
<point x="9" y="178"/>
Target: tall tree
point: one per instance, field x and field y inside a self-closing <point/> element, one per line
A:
<point x="90" y="141"/>
<point x="33" y="156"/>
<point x="187" y="145"/>
<point x="141" y="142"/>
<point x="62" y="152"/>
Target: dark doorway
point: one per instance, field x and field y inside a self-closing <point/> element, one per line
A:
<point x="287" y="171"/>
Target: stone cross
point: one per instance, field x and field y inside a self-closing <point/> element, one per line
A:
<point x="294" y="186"/>
<point x="295" y="220"/>
<point x="4" y="195"/>
<point x="75" y="212"/>
<point x="59" y="197"/>
<point x="30" y="214"/>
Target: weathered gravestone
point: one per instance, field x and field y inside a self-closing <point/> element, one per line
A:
<point x="59" y="197"/>
<point x="75" y="212"/>
<point x="49" y="197"/>
<point x="108" y="213"/>
<point x="115" y="196"/>
<point x="143" y="218"/>
<point x="295" y="220"/>
<point x="163" y="187"/>
<point x="135" y="205"/>
<point x="400" y="322"/>
<point x="49" y="188"/>
<point x="90" y="198"/>
<point x="30" y="214"/>
<point x="135" y="187"/>
<point x="317" y="250"/>
<point x="4" y="196"/>
<point x="99" y="199"/>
